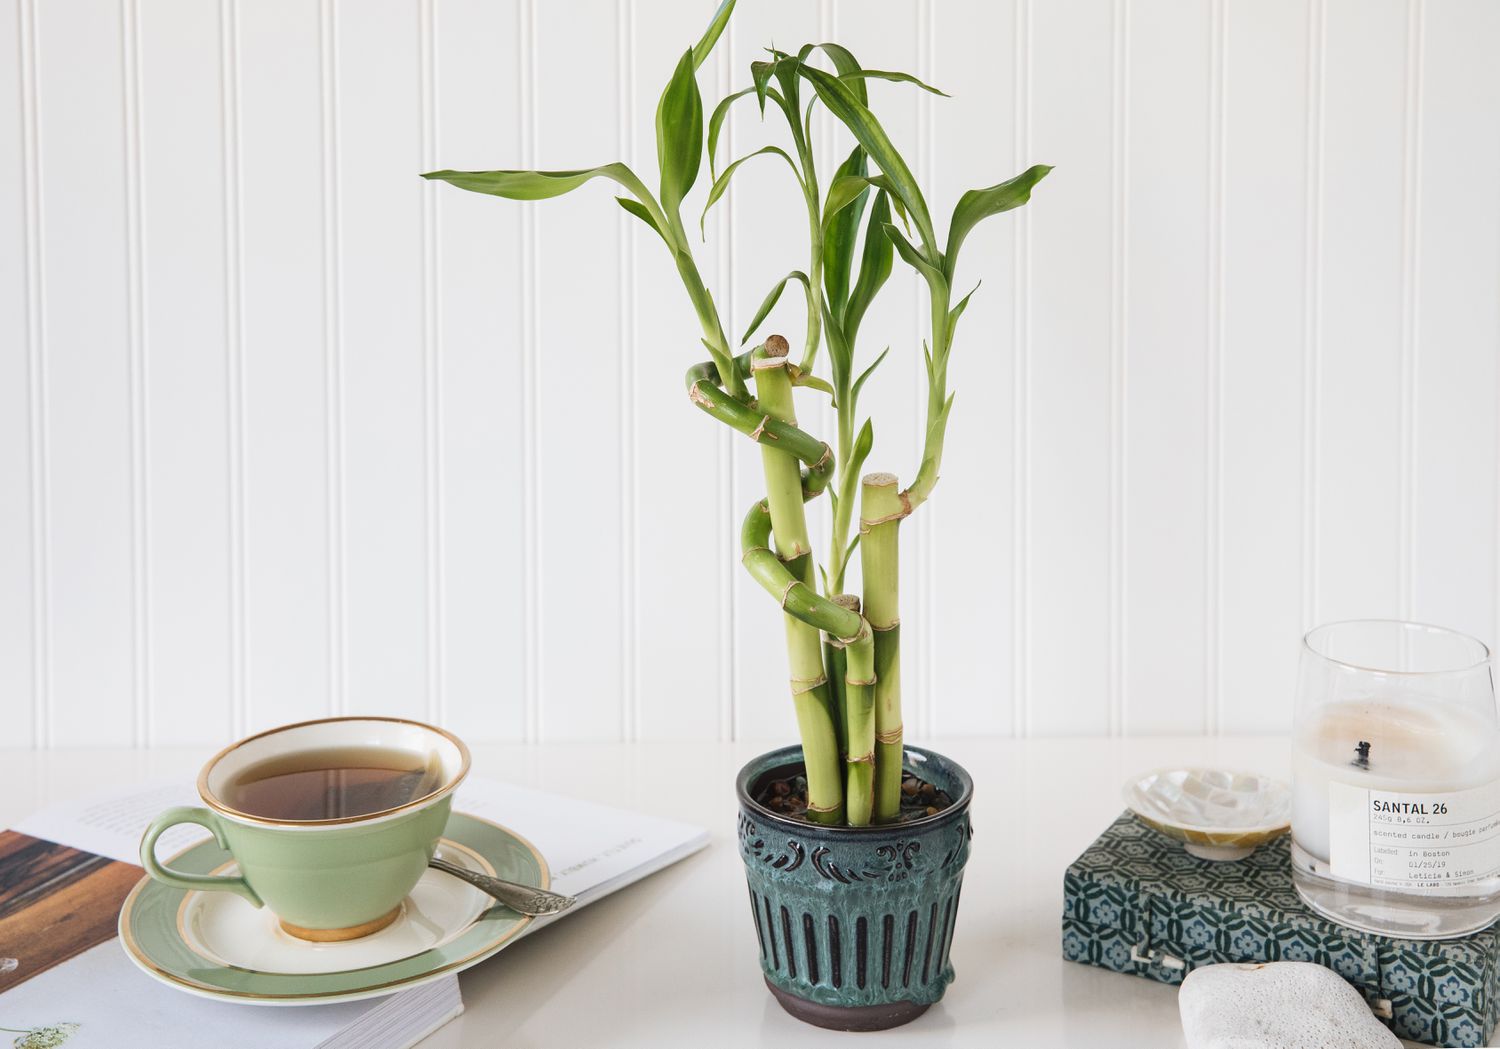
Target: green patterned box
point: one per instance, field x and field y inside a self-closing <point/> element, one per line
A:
<point x="1137" y="903"/>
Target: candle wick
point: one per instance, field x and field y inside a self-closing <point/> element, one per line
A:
<point x="1363" y="760"/>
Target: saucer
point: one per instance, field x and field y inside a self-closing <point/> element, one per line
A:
<point x="218" y="945"/>
<point x="1218" y="815"/>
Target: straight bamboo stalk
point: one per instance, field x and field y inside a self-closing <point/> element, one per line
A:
<point x="836" y="659"/>
<point x="882" y="508"/>
<point x="859" y="728"/>
<point x="810" y="694"/>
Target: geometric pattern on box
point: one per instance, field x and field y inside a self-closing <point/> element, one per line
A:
<point x="1137" y="903"/>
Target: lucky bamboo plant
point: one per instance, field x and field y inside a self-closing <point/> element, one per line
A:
<point x="843" y="650"/>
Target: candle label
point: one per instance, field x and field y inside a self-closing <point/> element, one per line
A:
<point x="1406" y="841"/>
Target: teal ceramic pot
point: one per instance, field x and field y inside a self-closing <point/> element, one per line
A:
<point x="854" y="924"/>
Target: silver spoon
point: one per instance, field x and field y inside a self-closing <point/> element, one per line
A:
<point x="526" y="899"/>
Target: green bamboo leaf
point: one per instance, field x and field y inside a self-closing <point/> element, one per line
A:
<point x="849" y="554"/>
<point x="679" y="134"/>
<point x="862" y="445"/>
<point x="885" y="74"/>
<point x="860" y="382"/>
<point x="722" y="182"/>
<point x="911" y="256"/>
<point x="769" y="303"/>
<point x="841" y="234"/>
<point x="785" y="71"/>
<point x="958" y="311"/>
<point x="850" y="112"/>
<point x="875" y="264"/>
<point x="534" y="185"/>
<point x="808" y="379"/>
<point x="760" y="76"/>
<point x="840" y="356"/>
<point x="843" y="191"/>
<point x="721" y="111"/>
<point x="638" y="209"/>
<point x="711" y="34"/>
<point x="979" y="204"/>
<point x="846" y="64"/>
<point x="716" y="123"/>
<point x="846" y="188"/>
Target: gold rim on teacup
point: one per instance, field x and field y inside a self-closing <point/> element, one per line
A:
<point x="220" y="806"/>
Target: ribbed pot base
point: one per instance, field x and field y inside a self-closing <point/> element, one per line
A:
<point x="848" y="1017"/>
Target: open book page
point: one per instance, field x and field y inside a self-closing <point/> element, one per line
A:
<point x="101" y="1001"/>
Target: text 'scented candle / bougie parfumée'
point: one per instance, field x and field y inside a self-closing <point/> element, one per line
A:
<point x="1396" y="779"/>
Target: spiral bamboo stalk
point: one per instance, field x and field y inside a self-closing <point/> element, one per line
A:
<point x="804" y="646"/>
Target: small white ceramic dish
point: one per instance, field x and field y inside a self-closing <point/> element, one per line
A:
<point x="1216" y="814"/>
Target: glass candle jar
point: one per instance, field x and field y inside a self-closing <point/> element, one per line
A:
<point x="1396" y="779"/>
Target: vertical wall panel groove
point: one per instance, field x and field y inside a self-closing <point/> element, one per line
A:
<point x="36" y="384"/>
<point x="1021" y="392"/>
<point x="1118" y="356"/>
<point x="333" y="348"/>
<point x="140" y="409"/>
<point x="630" y="713"/>
<point x="432" y="400"/>
<point x="1411" y="202"/>
<point x="726" y="229"/>
<point x="234" y="340"/>
<point x="1312" y="375"/>
<point x="927" y="700"/>
<point x="526" y="65"/>
<point x="1213" y="374"/>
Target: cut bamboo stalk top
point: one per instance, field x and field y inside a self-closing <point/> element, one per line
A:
<point x="776" y="346"/>
<point x="849" y="601"/>
<point x="879" y="480"/>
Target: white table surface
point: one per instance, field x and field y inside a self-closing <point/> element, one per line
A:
<point x="672" y="961"/>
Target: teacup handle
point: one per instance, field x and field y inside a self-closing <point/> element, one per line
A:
<point x="191" y="882"/>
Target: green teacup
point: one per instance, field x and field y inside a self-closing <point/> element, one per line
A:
<point x="333" y="878"/>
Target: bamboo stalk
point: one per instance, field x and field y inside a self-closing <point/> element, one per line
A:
<point x="882" y="509"/>
<point x="837" y="662"/>
<point x="791" y="583"/>
<point x="804" y="645"/>
<point x="859" y="729"/>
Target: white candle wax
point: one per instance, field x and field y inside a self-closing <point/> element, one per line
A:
<point x="1415" y="747"/>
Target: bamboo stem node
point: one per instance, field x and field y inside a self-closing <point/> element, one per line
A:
<point x="823" y="808"/>
<point x="892" y="625"/>
<point x="867" y="523"/>
<point x="890" y="738"/>
<point x="863" y="759"/>
<point x="801" y="685"/>
<point x="785" y="594"/>
<point x="760" y="431"/>
<point x="858" y="636"/>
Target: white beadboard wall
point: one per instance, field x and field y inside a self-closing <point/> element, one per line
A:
<point x="285" y="431"/>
